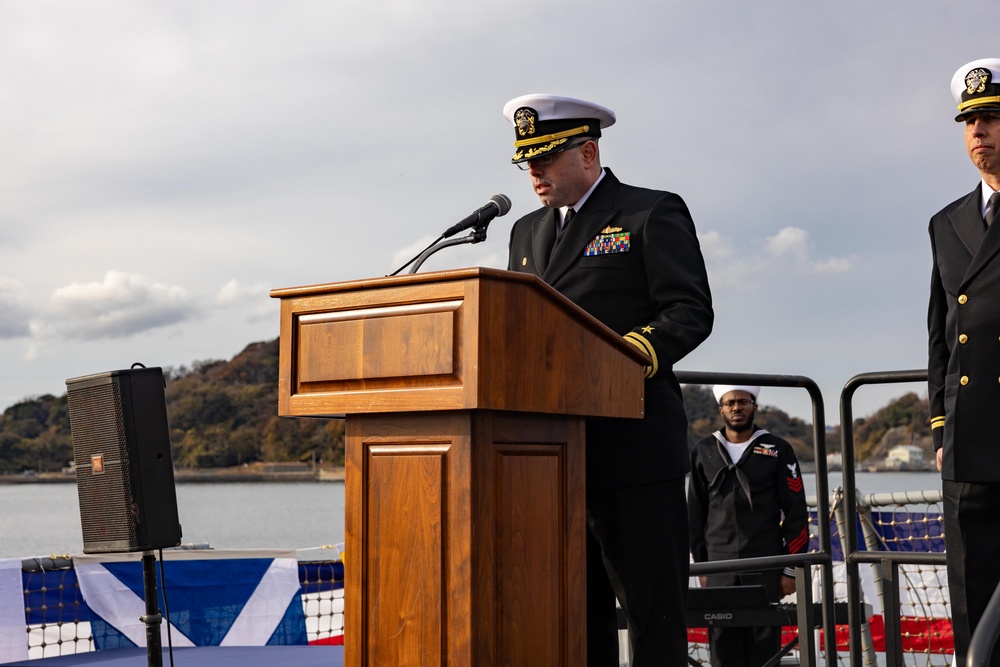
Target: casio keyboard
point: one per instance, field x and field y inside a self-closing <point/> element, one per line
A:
<point x="747" y="606"/>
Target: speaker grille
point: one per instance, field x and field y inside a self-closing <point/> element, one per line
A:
<point x="98" y="432"/>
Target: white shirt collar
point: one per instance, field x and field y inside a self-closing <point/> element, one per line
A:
<point x="984" y="198"/>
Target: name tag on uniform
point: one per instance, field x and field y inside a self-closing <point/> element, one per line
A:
<point x="611" y="240"/>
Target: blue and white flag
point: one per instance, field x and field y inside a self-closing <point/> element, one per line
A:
<point x="216" y="598"/>
<point x="13" y="633"/>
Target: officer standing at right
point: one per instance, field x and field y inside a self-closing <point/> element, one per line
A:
<point x="963" y="368"/>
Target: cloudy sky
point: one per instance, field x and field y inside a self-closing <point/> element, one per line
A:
<point x="163" y="165"/>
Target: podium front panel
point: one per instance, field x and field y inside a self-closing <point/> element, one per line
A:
<point x="466" y="533"/>
<point x="384" y="350"/>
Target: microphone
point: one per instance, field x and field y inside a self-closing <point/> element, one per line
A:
<point x="497" y="206"/>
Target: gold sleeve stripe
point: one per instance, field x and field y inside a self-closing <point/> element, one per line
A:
<point x="937" y="422"/>
<point x="978" y="102"/>
<point x="646" y="347"/>
<point x="551" y="137"/>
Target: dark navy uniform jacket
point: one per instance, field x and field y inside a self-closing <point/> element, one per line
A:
<point x="631" y="259"/>
<point x="963" y="323"/>
<point x="752" y="507"/>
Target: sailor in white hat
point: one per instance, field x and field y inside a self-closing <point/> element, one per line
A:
<point x="720" y="391"/>
<point x="746" y="499"/>
<point x="630" y="257"/>
<point x="963" y="365"/>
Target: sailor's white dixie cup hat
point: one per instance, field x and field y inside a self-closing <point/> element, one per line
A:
<point x="721" y="390"/>
<point x="547" y="124"/>
<point x="976" y="87"/>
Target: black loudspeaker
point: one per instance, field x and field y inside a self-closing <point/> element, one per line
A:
<point x="124" y="471"/>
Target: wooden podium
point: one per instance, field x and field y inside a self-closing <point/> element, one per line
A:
<point x="464" y="393"/>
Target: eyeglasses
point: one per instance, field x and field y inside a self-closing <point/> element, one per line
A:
<point x="546" y="160"/>
<point x="742" y="402"/>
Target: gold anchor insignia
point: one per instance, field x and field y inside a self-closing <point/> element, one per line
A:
<point x="524" y="119"/>
<point x="976" y="80"/>
<point x="610" y="230"/>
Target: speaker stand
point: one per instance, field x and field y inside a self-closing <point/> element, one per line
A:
<point x="152" y="619"/>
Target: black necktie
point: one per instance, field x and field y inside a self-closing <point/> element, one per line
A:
<point x="566" y="220"/>
<point x="992" y="209"/>
<point x="562" y="228"/>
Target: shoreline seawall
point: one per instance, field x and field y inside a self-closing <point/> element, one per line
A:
<point x="203" y="476"/>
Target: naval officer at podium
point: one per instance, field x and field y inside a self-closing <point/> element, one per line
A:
<point x="630" y="257"/>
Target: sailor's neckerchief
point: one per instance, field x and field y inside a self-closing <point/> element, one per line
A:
<point x="733" y="466"/>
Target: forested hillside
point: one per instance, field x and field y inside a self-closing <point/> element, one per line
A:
<point x="224" y="413"/>
<point x="220" y="413"/>
<point x="904" y="421"/>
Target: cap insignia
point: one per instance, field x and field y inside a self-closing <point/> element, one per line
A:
<point x="976" y="80"/>
<point x="525" y="119"/>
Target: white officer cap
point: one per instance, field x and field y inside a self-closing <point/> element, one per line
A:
<point x="976" y="87"/>
<point x="546" y="124"/>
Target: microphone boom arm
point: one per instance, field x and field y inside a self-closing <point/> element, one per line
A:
<point x="477" y="235"/>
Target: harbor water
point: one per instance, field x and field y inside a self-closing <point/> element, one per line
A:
<point x="44" y="519"/>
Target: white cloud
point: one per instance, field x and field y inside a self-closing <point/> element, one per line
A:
<point x="234" y="293"/>
<point x="834" y="265"/>
<point x="793" y="244"/>
<point x="788" y="251"/>
<point x="120" y="305"/>
<point x="789" y="242"/>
